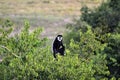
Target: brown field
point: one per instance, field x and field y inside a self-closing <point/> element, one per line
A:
<point x="50" y="14"/>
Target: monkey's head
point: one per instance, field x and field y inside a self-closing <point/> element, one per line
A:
<point x="59" y="38"/>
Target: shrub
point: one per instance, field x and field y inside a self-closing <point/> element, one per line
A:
<point x="102" y="38"/>
<point x="88" y="48"/>
<point x="19" y="52"/>
<point x="26" y="56"/>
<point x="113" y="55"/>
<point x="105" y="17"/>
<point x="105" y="20"/>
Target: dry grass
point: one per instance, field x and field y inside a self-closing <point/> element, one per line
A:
<point x="47" y="7"/>
<point x="50" y="14"/>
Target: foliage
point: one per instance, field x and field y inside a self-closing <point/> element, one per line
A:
<point x="88" y="48"/>
<point x="113" y="55"/>
<point x="104" y="39"/>
<point x="26" y="56"/>
<point x="106" y="20"/>
<point x="106" y="17"/>
<point x="18" y="53"/>
<point x="73" y="32"/>
<point x="92" y="52"/>
<point x="6" y="23"/>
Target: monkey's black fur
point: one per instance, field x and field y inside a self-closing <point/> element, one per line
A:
<point x="58" y="46"/>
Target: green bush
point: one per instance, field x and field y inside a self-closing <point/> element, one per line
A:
<point x="113" y="55"/>
<point x="5" y="23"/>
<point x="26" y="56"/>
<point x="88" y="48"/>
<point x="92" y="52"/>
<point x="105" y="17"/>
<point x="19" y="52"/>
<point x="73" y="32"/>
<point x="105" y="20"/>
<point x="102" y="38"/>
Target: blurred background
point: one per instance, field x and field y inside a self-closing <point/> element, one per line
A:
<point x="53" y="15"/>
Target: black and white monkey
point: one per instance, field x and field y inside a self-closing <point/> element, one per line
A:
<point x="58" y="46"/>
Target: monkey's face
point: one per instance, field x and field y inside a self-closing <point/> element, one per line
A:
<point x="59" y="38"/>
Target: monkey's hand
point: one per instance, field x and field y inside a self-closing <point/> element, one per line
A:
<point x="60" y="47"/>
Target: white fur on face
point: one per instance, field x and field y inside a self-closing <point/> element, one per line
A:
<point x="59" y="38"/>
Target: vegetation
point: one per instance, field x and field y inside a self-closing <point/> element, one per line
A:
<point x="26" y="56"/>
<point x="105" y="26"/>
<point x="92" y="49"/>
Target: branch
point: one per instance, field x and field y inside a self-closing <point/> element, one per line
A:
<point x="9" y="51"/>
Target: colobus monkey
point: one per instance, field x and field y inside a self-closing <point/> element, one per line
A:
<point x="58" y="46"/>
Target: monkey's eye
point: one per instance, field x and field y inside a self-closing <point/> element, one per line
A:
<point x="59" y="38"/>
